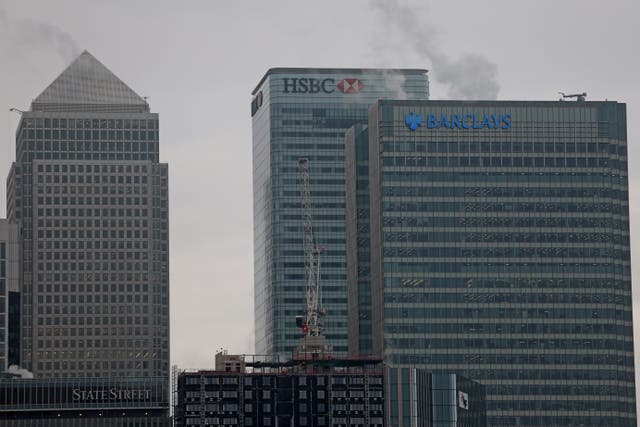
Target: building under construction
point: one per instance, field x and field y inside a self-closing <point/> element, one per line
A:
<point x="268" y="392"/>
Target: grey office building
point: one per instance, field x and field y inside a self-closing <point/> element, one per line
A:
<point x="90" y="195"/>
<point x="300" y="112"/>
<point x="499" y="250"/>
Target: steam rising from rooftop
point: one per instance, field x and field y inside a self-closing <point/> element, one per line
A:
<point x="394" y="81"/>
<point x="470" y="76"/>
<point x="36" y="34"/>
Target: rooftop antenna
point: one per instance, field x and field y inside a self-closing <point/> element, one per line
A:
<point x="580" y="97"/>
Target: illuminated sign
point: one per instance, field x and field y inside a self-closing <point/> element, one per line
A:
<point x="459" y="121"/>
<point x="92" y="395"/>
<point x="328" y="85"/>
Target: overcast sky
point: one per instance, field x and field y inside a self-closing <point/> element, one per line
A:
<point x="198" y="61"/>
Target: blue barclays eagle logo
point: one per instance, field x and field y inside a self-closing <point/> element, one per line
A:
<point x="413" y="120"/>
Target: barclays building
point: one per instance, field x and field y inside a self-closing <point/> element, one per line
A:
<point x="493" y="237"/>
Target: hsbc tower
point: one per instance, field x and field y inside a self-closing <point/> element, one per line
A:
<point x="296" y="113"/>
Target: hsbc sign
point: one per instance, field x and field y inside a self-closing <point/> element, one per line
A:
<point x="328" y="85"/>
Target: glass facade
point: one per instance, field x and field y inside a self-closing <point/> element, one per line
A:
<point x="359" y="241"/>
<point x="500" y="251"/>
<point x="95" y="402"/>
<point x="305" y="113"/>
<point x="418" y="398"/>
<point x="91" y="197"/>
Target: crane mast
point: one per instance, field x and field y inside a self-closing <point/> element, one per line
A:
<point x="313" y="324"/>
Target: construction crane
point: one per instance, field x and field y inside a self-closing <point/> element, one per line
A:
<point x="578" y="96"/>
<point x="311" y="324"/>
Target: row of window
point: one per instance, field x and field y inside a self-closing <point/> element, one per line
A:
<point x="505" y="192"/>
<point x="89" y="266"/>
<point x="104" y="141"/>
<point x="106" y="320"/>
<point x="533" y="297"/>
<point x="81" y="255"/>
<point x="584" y="344"/>
<point x="516" y="178"/>
<point x="486" y="220"/>
<point x="568" y="389"/>
<point x="503" y="147"/>
<point x="555" y="403"/>
<point x="546" y="162"/>
<point x="501" y="252"/>
<point x="585" y="360"/>
<point x="437" y="311"/>
<point x="90" y="277"/>
<point x="302" y="381"/>
<point x="80" y="332"/>
<point x="125" y="213"/>
<point x="28" y="157"/>
<point x="616" y="208"/>
<point x="83" y="168"/>
<point x="320" y="421"/>
<point x="522" y="285"/>
<point x="574" y="420"/>
<point x="494" y="267"/>
<point x="39" y="122"/>
<point x="526" y="329"/>
<point x="89" y="365"/>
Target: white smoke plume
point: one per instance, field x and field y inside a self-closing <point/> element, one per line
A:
<point x="395" y="82"/>
<point x="17" y="370"/>
<point x="470" y="76"/>
<point x="27" y="33"/>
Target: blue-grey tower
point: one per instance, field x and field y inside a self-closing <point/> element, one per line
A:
<point x="304" y="113"/>
<point x="499" y="250"/>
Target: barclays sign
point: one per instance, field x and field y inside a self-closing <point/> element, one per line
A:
<point x="459" y="121"/>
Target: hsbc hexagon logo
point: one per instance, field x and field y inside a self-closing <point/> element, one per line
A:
<point x="350" y="85"/>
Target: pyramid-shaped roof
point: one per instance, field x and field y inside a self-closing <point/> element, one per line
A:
<point x="87" y="82"/>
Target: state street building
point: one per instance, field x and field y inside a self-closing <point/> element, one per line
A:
<point x="499" y="250"/>
<point x="91" y="199"/>
<point x="304" y="113"/>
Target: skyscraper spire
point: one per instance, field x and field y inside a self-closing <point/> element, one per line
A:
<point x="87" y="82"/>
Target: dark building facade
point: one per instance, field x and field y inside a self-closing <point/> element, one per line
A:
<point x="95" y="402"/>
<point x="499" y="250"/>
<point x="282" y="397"/>
<point x="418" y="398"/>
<point x="9" y="287"/>
<point x="91" y="197"/>
<point x="300" y="112"/>
<point x="359" y="240"/>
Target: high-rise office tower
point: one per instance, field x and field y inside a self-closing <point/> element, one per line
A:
<point x="499" y="249"/>
<point x="90" y="195"/>
<point x="300" y="112"/>
<point x="9" y="287"/>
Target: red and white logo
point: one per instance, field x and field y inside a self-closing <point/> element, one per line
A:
<point x="350" y="85"/>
